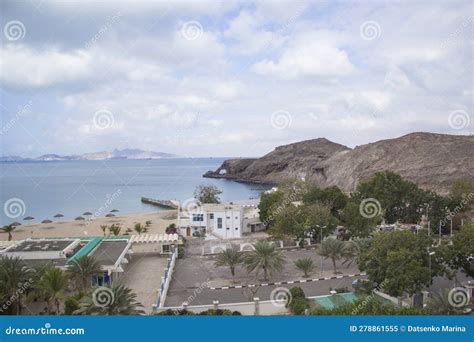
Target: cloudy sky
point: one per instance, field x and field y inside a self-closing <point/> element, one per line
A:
<point x="230" y="78"/>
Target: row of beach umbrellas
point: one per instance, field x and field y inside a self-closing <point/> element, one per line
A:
<point x="79" y="218"/>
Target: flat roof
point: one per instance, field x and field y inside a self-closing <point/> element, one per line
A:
<point x="108" y="252"/>
<point x="41" y="246"/>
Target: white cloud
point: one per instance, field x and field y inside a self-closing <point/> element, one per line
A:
<point x="309" y="54"/>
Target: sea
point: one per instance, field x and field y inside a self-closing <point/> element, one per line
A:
<point x="71" y="188"/>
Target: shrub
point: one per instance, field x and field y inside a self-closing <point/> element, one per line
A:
<point x="171" y="229"/>
<point x="299" y="303"/>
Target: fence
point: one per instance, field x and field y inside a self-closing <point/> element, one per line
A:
<point x="166" y="279"/>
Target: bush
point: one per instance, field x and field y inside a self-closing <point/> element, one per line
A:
<point x="299" y="303"/>
<point x="180" y="251"/>
<point x="171" y="229"/>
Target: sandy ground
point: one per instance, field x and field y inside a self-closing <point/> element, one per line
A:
<point x="159" y="221"/>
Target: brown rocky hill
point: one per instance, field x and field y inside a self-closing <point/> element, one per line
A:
<point x="433" y="161"/>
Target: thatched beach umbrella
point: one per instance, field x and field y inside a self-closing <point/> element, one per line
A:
<point x="110" y="215"/>
<point x="114" y="211"/>
<point x="46" y="221"/>
<point x="87" y="213"/>
<point x="58" y="215"/>
<point x="29" y="218"/>
<point x="14" y="224"/>
<point x="79" y="218"/>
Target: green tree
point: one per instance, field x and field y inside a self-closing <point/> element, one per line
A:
<point x="14" y="276"/>
<point x="305" y="265"/>
<point x="304" y="221"/>
<point x="230" y="257"/>
<point x="82" y="269"/>
<point x="8" y="229"/>
<point x="333" y="249"/>
<point x="264" y="258"/>
<point x="110" y="300"/>
<point x="400" y="199"/>
<point x="115" y="229"/>
<point x="171" y="229"/>
<point x="268" y="206"/>
<point x="331" y="197"/>
<point x="400" y="261"/>
<point x="140" y="228"/>
<point x="207" y="194"/>
<point x="52" y="286"/>
<point x="358" y="225"/>
<point x="460" y="254"/>
<point x="104" y="229"/>
<point x="461" y="188"/>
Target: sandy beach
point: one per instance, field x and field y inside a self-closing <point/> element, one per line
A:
<point x="159" y="221"/>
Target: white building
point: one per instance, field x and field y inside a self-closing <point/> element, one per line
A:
<point x="223" y="220"/>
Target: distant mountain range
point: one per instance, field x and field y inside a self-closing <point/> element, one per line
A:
<point x="128" y="153"/>
<point x="433" y="161"/>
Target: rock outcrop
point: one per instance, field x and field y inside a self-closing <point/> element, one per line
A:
<point x="433" y="161"/>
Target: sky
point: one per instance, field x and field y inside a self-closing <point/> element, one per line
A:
<point x="230" y="78"/>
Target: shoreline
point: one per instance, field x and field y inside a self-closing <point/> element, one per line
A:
<point x="72" y="228"/>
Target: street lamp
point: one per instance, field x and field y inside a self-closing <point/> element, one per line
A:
<point x="430" y="254"/>
<point x="320" y="246"/>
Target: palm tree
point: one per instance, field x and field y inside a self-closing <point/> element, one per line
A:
<point x="115" y="299"/>
<point x="115" y="229"/>
<point x="230" y="257"/>
<point x="305" y="265"/>
<point x="52" y="285"/>
<point x="139" y="228"/>
<point x="83" y="269"/>
<point x="14" y="275"/>
<point x="333" y="249"/>
<point x="265" y="257"/>
<point x="104" y="229"/>
<point x="9" y="229"/>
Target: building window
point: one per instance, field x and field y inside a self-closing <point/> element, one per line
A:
<point x="236" y="217"/>
<point x="236" y="228"/>
<point x="219" y="222"/>
<point x="211" y="216"/>
<point x="228" y="217"/>
<point x="166" y="248"/>
<point x="228" y="228"/>
<point x="198" y="217"/>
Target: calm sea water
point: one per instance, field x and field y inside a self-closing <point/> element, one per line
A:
<point x="43" y="189"/>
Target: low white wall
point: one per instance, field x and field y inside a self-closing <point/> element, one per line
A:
<point x="246" y="308"/>
<point x="165" y="281"/>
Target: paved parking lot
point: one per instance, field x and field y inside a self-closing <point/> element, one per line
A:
<point x="194" y="277"/>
